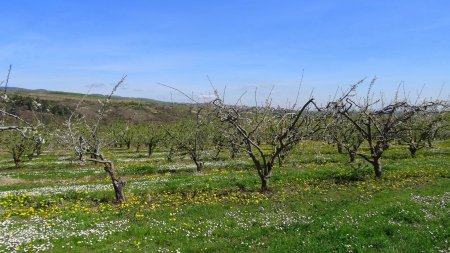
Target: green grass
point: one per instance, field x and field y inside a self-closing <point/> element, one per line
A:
<point x="317" y="203"/>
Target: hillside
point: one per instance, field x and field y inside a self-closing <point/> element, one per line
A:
<point x="58" y="104"/>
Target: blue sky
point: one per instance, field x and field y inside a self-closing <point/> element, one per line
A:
<point x="70" y="45"/>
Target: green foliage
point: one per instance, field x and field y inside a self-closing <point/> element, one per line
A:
<point x="334" y="207"/>
<point x="20" y="146"/>
<point x="317" y="202"/>
<point x="18" y="103"/>
<point x="192" y="138"/>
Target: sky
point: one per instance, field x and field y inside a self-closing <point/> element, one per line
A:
<point x="242" y="46"/>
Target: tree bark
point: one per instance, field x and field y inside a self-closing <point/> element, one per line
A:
<point x="118" y="184"/>
<point x="265" y="172"/>
<point x="17" y="162"/>
<point x="280" y="161"/>
<point x="233" y="152"/>
<point x="430" y="143"/>
<point x="339" y="147"/>
<point x="412" y="151"/>
<point x="119" y="187"/>
<point x="352" y="155"/>
<point x="16" y="157"/>
<point x="377" y="167"/>
<point x="264" y="184"/>
<point x="170" y="155"/>
<point x="198" y="164"/>
<point x="150" y="149"/>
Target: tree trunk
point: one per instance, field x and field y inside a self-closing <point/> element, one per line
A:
<point x="412" y="151"/>
<point x="264" y="184"/>
<point x="119" y="187"/>
<point x="128" y="145"/>
<point x="38" y="149"/>
<point x="264" y="175"/>
<point x="118" y="184"/>
<point x="198" y="164"/>
<point x="170" y="155"/>
<point x="138" y="147"/>
<point x="150" y="149"/>
<point x="233" y="152"/>
<point x="216" y="155"/>
<point x="430" y="144"/>
<point x="377" y="167"/>
<point x="17" y="162"/>
<point x="16" y="158"/>
<point x="30" y="156"/>
<point x="339" y="147"/>
<point x="352" y="155"/>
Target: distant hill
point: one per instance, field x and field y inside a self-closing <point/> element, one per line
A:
<point x="59" y="104"/>
<point x="12" y="89"/>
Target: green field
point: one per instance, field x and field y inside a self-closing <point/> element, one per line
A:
<point x="317" y="203"/>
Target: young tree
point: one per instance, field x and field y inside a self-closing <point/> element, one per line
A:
<point x="193" y="137"/>
<point x="20" y="136"/>
<point x="218" y="139"/>
<point x="169" y="140"/>
<point x="87" y="140"/>
<point x="379" y="123"/>
<point x="343" y="134"/>
<point x="153" y="136"/>
<point x="115" y="130"/>
<point x="266" y="133"/>
<point x="127" y="135"/>
<point x="422" y="127"/>
<point x="139" y="135"/>
<point x="18" y="146"/>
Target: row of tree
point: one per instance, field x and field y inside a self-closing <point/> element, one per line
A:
<point x="359" y="126"/>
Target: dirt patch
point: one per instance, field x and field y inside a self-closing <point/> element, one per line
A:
<point x="10" y="181"/>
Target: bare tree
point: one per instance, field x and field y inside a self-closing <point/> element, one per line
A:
<point x="343" y="134"/>
<point x="169" y="140"/>
<point x="193" y="137"/>
<point x="379" y="123"/>
<point x="87" y="140"/>
<point x="10" y="121"/>
<point x="267" y="133"/>
<point x="422" y="127"/>
<point x="153" y="136"/>
<point x="21" y="136"/>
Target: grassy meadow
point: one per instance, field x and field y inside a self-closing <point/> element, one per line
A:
<point x="317" y="203"/>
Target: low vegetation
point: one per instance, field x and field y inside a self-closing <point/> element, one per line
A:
<point x="83" y="179"/>
<point x="316" y="204"/>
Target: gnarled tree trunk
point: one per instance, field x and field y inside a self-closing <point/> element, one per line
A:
<point x="352" y="156"/>
<point x="150" y="147"/>
<point x="118" y="183"/>
<point x="339" y="147"/>
<point x="198" y="163"/>
<point x="377" y="167"/>
<point x="264" y="172"/>
<point x="264" y="184"/>
<point x="412" y="150"/>
<point x="170" y="154"/>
